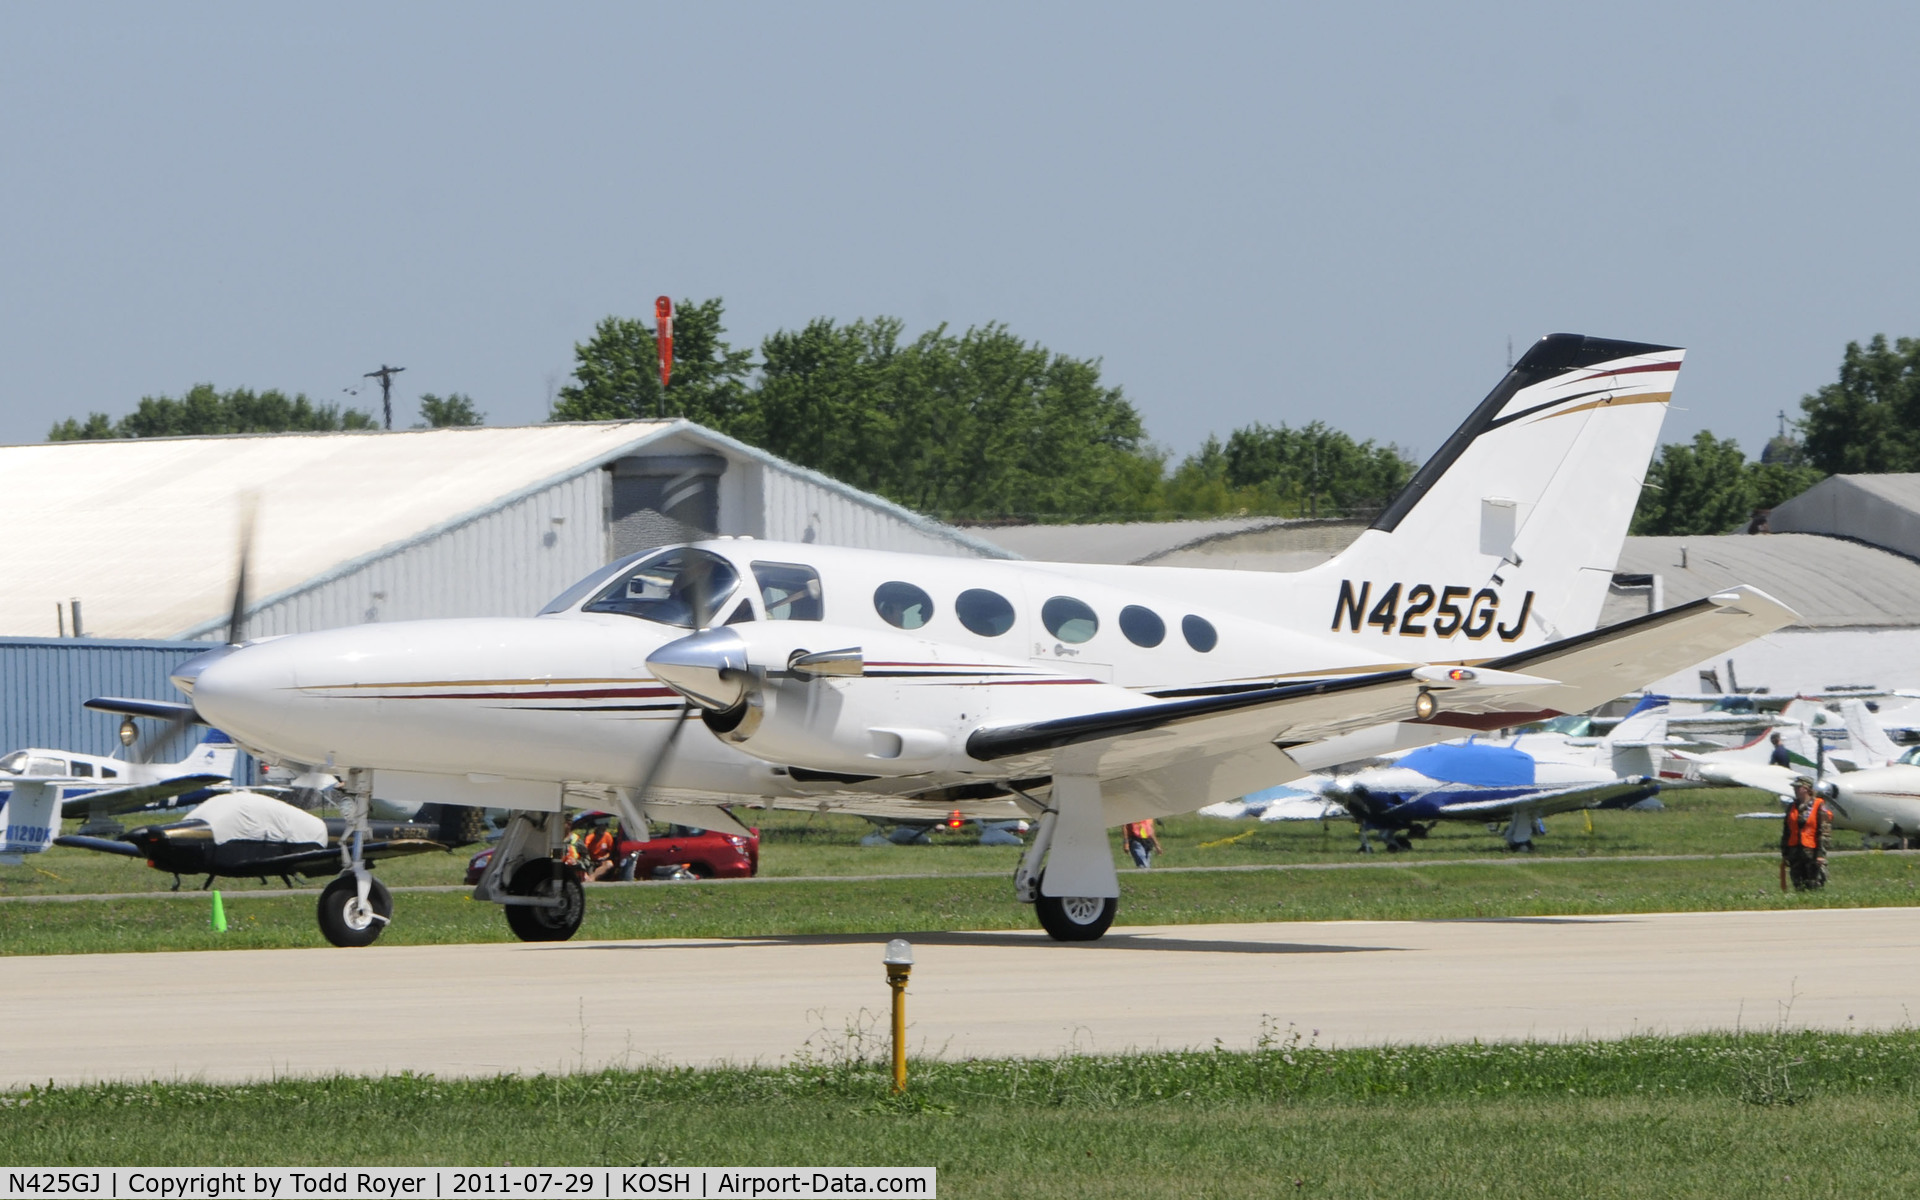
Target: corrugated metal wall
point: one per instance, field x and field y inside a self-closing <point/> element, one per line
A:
<point x="800" y="510"/>
<point x="506" y="563"/>
<point x="43" y="682"/>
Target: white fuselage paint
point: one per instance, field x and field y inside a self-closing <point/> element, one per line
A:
<point x="567" y="696"/>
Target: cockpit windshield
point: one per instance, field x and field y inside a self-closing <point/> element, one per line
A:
<point x="682" y="586"/>
<point x="15" y="763"/>
<point x="1911" y="757"/>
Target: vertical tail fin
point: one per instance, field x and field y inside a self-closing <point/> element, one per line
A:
<point x="32" y="819"/>
<point x="1870" y="742"/>
<point x="215" y="755"/>
<point x="1631" y="744"/>
<point x="1509" y="535"/>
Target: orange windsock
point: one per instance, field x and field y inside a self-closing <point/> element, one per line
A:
<point x="663" y="336"/>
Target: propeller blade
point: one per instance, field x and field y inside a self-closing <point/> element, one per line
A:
<point x="632" y="811"/>
<point x="237" y="620"/>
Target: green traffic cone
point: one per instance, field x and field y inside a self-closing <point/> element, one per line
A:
<point x="219" y="914"/>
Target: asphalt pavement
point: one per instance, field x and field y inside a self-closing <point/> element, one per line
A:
<point x="482" y="1009"/>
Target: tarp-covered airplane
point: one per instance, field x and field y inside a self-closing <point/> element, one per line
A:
<point x="1084" y="696"/>
<point x="248" y="835"/>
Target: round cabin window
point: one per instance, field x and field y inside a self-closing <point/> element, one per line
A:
<point x="902" y="605"/>
<point x="983" y="612"/>
<point x="1142" y="626"/>
<point x="1070" y="620"/>
<point x="1200" y="633"/>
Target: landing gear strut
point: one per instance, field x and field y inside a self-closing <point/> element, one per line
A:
<point x="542" y="896"/>
<point x="355" y="907"/>
<point x="1077" y="893"/>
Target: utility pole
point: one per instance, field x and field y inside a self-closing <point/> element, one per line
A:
<point x="385" y="375"/>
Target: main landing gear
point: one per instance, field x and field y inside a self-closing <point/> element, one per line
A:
<point x="1068" y="874"/>
<point x="542" y="896"/>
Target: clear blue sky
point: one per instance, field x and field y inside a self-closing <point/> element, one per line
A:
<point x="1257" y="212"/>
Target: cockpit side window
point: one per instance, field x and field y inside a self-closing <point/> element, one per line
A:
<point x="681" y="586"/>
<point x="46" y="766"/>
<point x="789" y="591"/>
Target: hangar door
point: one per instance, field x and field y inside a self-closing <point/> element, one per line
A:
<point x="664" y="498"/>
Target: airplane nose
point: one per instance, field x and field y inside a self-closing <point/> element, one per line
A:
<point x="235" y="688"/>
<point x="708" y="668"/>
<point x="188" y="673"/>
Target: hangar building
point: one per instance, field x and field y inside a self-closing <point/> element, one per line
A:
<point x="141" y="535"/>
<point x="384" y="526"/>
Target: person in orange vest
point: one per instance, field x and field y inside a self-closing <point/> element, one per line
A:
<point x="597" y="851"/>
<point x="1803" y="838"/>
<point x="1141" y="843"/>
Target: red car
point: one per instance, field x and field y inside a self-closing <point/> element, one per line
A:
<point x="706" y="853"/>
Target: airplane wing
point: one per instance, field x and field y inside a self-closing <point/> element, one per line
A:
<point x="1767" y="778"/>
<point x="139" y="795"/>
<point x="1616" y="793"/>
<point x="165" y="710"/>
<point x="1181" y="754"/>
<point x="326" y="861"/>
<point x="103" y="845"/>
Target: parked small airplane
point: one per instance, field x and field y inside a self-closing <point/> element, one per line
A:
<point x="247" y="835"/>
<point x="96" y="786"/>
<point x="1531" y="776"/>
<point x="39" y="788"/>
<point x="920" y="833"/>
<point x="1875" y="791"/>
<point x="901" y="685"/>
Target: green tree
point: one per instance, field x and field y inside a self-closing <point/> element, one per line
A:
<point x="455" y="408"/>
<point x="1869" y="420"/>
<point x="1314" y="470"/>
<point x="204" y="409"/>
<point x="1709" y="487"/>
<point x="980" y="425"/>
<point x="616" y="374"/>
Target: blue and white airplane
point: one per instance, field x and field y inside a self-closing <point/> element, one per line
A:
<point x="1519" y="781"/>
<point x="38" y="788"/>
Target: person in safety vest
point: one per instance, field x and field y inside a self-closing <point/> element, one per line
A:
<point x="1141" y="843"/>
<point x="1803" y="838"/>
<point x="597" y="853"/>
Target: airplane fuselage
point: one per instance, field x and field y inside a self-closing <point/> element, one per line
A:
<point x="568" y="696"/>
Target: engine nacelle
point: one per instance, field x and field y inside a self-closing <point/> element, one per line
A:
<point x="863" y="702"/>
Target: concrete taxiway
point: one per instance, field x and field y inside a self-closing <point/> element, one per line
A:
<point x="481" y="1009"/>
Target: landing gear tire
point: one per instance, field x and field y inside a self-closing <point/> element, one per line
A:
<point x="342" y="923"/>
<point x="1075" y="918"/>
<point x="536" y="878"/>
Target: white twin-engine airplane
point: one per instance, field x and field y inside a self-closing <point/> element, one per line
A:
<point x="1086" y="696"/>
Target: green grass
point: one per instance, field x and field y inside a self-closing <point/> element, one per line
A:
<point x="1395" y="889"/>
<point x="809" y="844"/>
<point x="1459" y="871"/>
<point x="1780" y="1113"/>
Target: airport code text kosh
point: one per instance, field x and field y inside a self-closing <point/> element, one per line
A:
<point x="462" y="1183"/>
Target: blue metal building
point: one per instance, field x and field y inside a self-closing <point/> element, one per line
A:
<point x="43" y="682"/>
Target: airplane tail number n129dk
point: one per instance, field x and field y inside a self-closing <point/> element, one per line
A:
<point x="731" y="671"/>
